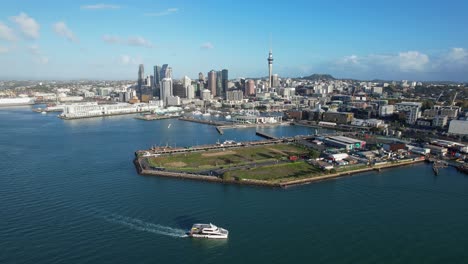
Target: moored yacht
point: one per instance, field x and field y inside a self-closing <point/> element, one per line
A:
<point x="208" y="231"/>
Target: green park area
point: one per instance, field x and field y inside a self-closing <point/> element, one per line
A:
<point x="276" y="172"/>
<point x="267" y="162"/>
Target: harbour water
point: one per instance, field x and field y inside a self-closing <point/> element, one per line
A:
<point x="69" y="193"/>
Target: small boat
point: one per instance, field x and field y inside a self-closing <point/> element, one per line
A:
<point x="228" y="117"/>
<point x="208" y="231"/>
<point x="169" y="126"/>
<point x="43" y="112"/>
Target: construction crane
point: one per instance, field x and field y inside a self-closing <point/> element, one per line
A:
<point x="438" y="98"/>
<point x="454" y="97"/>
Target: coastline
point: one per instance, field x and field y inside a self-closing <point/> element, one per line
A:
<point x="284" y="184"/>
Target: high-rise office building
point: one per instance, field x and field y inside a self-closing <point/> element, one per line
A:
<point x="201" y="78"/>
<point x="234" y="96"/>
<point x="270" y="69"/>
<point x="249" y="88"/>
<point x="163" y="71"/>
<point x="179" y="90"/>
<point x="219" y="83"/>
<point x="156" y="80"/>
<point x="275" y="81"/>
<point x="148" y="81"/>
<point x="190" y="91"/>
<point x="212" y="82"/>
<point x="166" y="90"/>
<point x="141" y="79"/>
<point x="186" y="81"/>
<point x="224" y="80"/>
<point x="169" y="72"/>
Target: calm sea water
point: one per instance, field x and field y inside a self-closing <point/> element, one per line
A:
<point x="69" y="194"/>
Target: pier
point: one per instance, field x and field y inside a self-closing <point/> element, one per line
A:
<point x="206" y="122"/>
<point x="265" y="135"/>
<point x="154" y="117"/>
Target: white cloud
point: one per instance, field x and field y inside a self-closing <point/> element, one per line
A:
<point x="38" y="57"/>
<point x="41" y="60"/>
<point x="353" y="59"/>
<point x="458" y="55"/>
<point x="412" y="61"/>
<point x="4" y="49"/>
<point x="207" y="45"/>
<point x="62" y="30"/>
<point x="450" y="64"/>
<point x="6" y="33"/>
<point x="139" y="41"/>
<point x="166" y="12"/>
<point x="111" y="39"/>
<point x="28" y="26"/>
<point x="99" y="6"/>
<point x="129" y="60"/>
<point x="131" y="41"/>
<point x="34" y="49"/>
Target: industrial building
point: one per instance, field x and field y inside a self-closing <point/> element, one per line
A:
<point x="344" y="142"/>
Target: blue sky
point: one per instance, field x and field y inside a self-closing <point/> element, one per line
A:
<point x="415" y="40"/>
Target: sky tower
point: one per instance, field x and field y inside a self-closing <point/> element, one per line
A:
<point x="270" y="69"/>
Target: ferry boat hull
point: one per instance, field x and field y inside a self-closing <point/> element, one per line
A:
<point x="209" y="231"/>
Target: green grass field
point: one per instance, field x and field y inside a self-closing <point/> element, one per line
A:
<point x="199" y="161"/>
<point x="277" y="172"/>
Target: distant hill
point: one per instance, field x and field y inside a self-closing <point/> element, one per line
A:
<point x="316" y="77"/>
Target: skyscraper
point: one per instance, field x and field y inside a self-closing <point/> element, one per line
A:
<point x="141" y="79"/>
<point x="166" y="89"/>
<point x="163" y="71"/>
<point x="249" y="88"/>
<point x="270" y="69"/>
<point x="275" y="81"/>
<point x="212" y="82"/>
<point x="169" y="72"/>
<point x="219" y="83"/>
<point x="157" y="80"/>
<point x="186" y="81"/>
<point x="201" y="78"/>
<point x="225" y="80"/>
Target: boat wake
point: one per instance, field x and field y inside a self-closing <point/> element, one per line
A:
<point x="140" y="225"/>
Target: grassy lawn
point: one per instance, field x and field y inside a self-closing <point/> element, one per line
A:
<point x="276" y="172"/>
<point x="214" y="159"/>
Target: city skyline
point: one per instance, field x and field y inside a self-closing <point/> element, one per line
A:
<point x="86" y="40"/>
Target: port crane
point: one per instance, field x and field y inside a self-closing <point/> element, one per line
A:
<point x="454" y="97"/>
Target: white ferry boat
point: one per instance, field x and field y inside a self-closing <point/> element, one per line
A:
<point x="208" y="231"/>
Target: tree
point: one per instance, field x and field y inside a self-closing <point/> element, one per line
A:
<point x="427" y="104"/>
<point x="314" y="154"/>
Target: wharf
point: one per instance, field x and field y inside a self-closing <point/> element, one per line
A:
<point x="40" y="110"/>
<point x="265" y="135"/>
<point x="103" y="115"/>
<point x="154" y="117"/>
<point x="206" y="122"/>
<point x="169" y="150"/>
<point x="143" y="169"/>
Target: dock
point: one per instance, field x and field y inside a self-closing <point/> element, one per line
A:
<point x="265" y="135"/>
<point x="200" y="121"/>
<point x="154" y="117"/>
